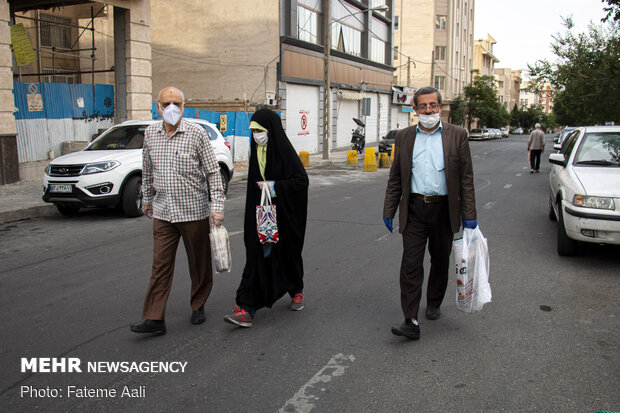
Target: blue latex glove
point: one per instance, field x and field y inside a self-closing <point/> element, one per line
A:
<point x="470" y="223"/>
<point x="388" y="223"/>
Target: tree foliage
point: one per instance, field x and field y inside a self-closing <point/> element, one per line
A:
<point x="458" y="110"/>
<point x="586" y="75"/>
<point x="482" y="103"/>
<point x="613" y="11"/>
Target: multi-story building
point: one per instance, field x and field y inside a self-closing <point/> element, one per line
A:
<point x="484" y="59"/>
<point x="508" y="84"/>
<point x="434" y="45"/>
<point x="527" y="97"/>
<point x="272" y="52"/>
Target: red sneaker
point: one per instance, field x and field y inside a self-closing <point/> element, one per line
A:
<point x="239" y="317"/>
<point x="297" y="303"/>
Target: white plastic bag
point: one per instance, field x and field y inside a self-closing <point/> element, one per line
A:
<point x="471" y="258"/>
<point x="220" y="248"/>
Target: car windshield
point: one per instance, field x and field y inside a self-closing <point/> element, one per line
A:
<point x="210" y="131"/>
<point x="476" y="131"/>
<point x="599" y="148"/>
<point x="123" y="137"/>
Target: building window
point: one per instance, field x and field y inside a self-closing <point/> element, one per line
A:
<point x="501" y="98"/>
<point x="396" y="22"/>
<point x="55" y="31"/>
<point x="60" y="76"/>
<point x="307" y="25"/>
<point x="501" y="83"/>
<point x="440" y="52"/>
<point x="395" y="52"/>
<point x="441" y="22"/>
<point x="440" y="82"/>
<point x="377" y="50"/>
<point x="346" y="39"/>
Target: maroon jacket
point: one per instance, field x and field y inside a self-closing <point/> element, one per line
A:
<point x="459" y="176"/>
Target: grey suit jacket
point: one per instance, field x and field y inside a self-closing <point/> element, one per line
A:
<point x="459" y="176"/>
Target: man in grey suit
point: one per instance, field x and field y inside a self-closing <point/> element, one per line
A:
<point x="432" y="184"/>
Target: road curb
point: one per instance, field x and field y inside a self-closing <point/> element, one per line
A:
<point x="27" y="213"/>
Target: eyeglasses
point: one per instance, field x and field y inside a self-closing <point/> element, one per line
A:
<point x="432" y="106"/>
<point x="166" y="104"/>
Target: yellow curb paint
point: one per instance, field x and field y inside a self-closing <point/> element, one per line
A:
<point x="370" y="160"/>
<point x="305" y="158"/>
<point x="352" y="158"/>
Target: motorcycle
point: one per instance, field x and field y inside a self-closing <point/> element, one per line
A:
<point x="358" y="137"/>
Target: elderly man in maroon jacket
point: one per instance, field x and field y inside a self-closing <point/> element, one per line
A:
<point x="432" y="183"/>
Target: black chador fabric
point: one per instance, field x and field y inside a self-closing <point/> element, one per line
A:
<point x="265" y="280"/>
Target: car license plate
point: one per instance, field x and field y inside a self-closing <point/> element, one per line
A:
<point x="61" y="188"/>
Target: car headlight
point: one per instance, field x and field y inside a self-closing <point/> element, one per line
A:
<point x="599" y="202"/>
<point x="48" y="169"/>
<point x="97" y="167"/>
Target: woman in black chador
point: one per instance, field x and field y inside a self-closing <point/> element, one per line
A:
<point x="272" y="270"/>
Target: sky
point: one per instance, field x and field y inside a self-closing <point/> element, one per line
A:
<point x="523" y="28"/>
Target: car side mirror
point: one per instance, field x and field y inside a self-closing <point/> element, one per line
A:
<point x="557" y="146"/>
<point x="558" y="159"/>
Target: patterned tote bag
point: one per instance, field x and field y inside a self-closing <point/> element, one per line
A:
<point x="266" y="218"/>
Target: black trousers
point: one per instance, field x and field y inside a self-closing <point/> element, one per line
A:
<point x="535" y="158"/>
<point x="425" y="222"/>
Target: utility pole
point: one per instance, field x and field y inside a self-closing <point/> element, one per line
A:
<point x="408" y="71"/>
<point x="433" y="69"/>
<point x="327" y="102"/>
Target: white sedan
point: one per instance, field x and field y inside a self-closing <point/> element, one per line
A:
<point x="584" y="191"/>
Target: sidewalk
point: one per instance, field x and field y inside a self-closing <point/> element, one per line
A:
<point x="22" y="200"/>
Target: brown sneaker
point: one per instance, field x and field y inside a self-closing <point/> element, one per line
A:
<point x="297" y="303"/>
<point x="239" y="317"/>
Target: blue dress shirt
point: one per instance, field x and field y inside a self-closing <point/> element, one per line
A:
<point x="428" y="171"/>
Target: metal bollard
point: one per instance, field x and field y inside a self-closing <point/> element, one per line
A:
<point x="392" y="153"/>
<point x="370" y="160"/>
<point x="305" y="158"/>
<point x="384" y="160"/>
<point x="352" y="157"/>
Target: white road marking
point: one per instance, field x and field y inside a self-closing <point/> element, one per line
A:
<point x="484" y="186"/>
<point x="394" y="231"/>
<point x="301" y="401"/>
<point x="231" y="234"/>
<point x="525" y="167"/>
<point x="519" y="174"/>
<point x="489" y="205"/>
<point x="507" y="186"/>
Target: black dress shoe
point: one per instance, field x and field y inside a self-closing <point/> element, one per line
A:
<point x="432" y="313"/>
<point x="198" y="316"/>
<point x="407" y="329"/>
<point x="149" y="326"/>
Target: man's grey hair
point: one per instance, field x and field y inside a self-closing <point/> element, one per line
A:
<point x="168" y="87"/>
<point x="537" y="126"/>
<point x="426" y="91"/>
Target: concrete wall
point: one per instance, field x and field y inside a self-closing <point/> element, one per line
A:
<point x="215" y="49"/>
<point x="7" y="104"/>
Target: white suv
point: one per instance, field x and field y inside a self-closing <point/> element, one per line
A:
<point x="584" y="191"/>
<point x="109" y="171"/>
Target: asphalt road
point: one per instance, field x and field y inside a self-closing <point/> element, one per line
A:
<point x="72" y="286"/>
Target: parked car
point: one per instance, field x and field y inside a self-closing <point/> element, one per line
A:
<point x="584" y="184"/>
<point x="479" y="134"/>
<point x="517" y="131"/>
<point x="109" y="171"/>
<point x="498" y="133"/>
<point x="562" y="135"/>
<point x="504" y="132"/>
<point x="386" y="142"/>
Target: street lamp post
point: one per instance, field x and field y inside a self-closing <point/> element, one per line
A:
<point x="327" y="102"/>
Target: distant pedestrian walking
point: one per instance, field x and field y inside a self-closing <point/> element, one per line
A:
<point x="536" y="146"/>
<point x="272" y="270"/>
<point x="177" y="163"/>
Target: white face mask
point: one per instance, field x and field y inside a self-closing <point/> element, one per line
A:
<point x="260" y="137"/>
<point x="171" y="114"/>
<point x="429" y="121"/>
